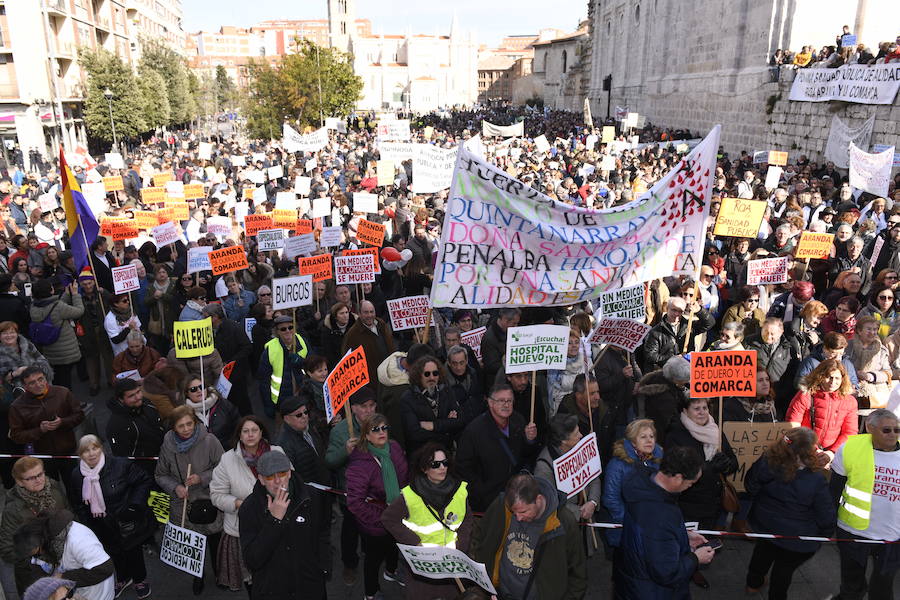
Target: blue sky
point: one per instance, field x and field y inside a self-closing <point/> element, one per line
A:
<point x="490" y="19"/>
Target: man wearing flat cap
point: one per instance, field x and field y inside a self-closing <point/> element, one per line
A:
<point x="280" y="370"/>
<point x="284" y="533"/>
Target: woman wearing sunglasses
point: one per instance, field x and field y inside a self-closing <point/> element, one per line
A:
<point x="429" y="407"/>
<point x="433" y="510"/>
<point x="217" y="415"/>
<point x="376" y="469"/>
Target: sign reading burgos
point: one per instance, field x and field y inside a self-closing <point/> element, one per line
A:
<point x="875" y="84"/>
<point x="290" y="292"/>
<point x="505" y="244"/>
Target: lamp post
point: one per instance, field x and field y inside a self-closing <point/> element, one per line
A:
<point x="107" y="93"/>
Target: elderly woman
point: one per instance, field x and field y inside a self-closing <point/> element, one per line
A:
<point x="805" y="330"/>
<point x="881" y="308"/>
<point x="218" y="415"/>
<point x="376" y="469"/>
<point x="564" y="435"/>
<point x="638" y="449"/>
<point x="560" y="381"/>
<point x="843" y="318"/>
<point x="434" y="495"/>
<point x="872" y="362"/>
<point x="17" y="353"/>
<point x="847" y="284"/>
<point x="429" y="408"/>
<point x="138" y="356"/>
<point x="158" y="299"/>
<point x="120" y="321"/>
<point x="105" y="492"/>
<point x="232" y="481"/>
<point x="188" y="444"/>
<point x="663" y="391"/>
<point x="747" y="311"/>
<point x="731" y="337"/>
<point x="826" y="407"/>
<point x="32" y="494"/>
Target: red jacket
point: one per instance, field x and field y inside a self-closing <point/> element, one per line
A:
<point x="836" y="417"/>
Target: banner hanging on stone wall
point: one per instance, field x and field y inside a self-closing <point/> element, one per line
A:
<point x="837" y="148"/>
<point x="876" y="84"/>
<point x="871" y="172"/>
<point x="505" y="244"/>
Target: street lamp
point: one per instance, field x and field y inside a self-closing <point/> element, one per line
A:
<point x="107" y="93"/>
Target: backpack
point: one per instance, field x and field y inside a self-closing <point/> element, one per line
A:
<point x="45" y="332"/>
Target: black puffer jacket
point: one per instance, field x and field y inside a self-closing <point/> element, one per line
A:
<point x="135" y="432"/>
<point x="332" y="339"/>
<point x="779" y="360"/>
<point x="416" y="409"/>
<point x="662" y="343"/>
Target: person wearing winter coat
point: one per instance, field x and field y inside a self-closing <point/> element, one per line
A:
<point x="662" y="392"/>
<point x="190" y="444"/>
<point x="120" y="321"/>
<point x="889" y="255"/>
<point x="429" y="408"/>
<point x="666" y="339"/>
<point x="805" y="330"/>
<point x="376" y="469"/>
<point x="301" y="442"/>
<point x="465" y="382"/>
<point x="233" y="479"/>
<point x="338" y="320"/>
<point x="658" y="555"/>
<point x="284" y="533"/>
<point x="63" y="353"/>
<point x="776" y="352"/>
<point x="134" y="427"/>
<point x="162" y="388"/>
<point x="17" y="353"/>
<point x="881" y="308"/>
<point x="493" y="344"/>
<point x="791" y="497"/>
<point x="238" y="301"/>
<point x="92" y="338"/>
<point x="746" y="311"/>
<point x="232" y="344"/>
<point x="638" y="449"/>
<point x="826" y="407"/>
<point x="787" y="306"/>
<point x="137" y="356"/>
<point x="872" y="363"/>
<point x="105" y="491"/>
<point x="559" y="381"/>
<point x="617" y="375"/>
<point x="373" y="334"/>
<point x="218" y="415"/>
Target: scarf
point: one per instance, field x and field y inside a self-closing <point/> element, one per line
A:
<point x="195" y="305"/>
<point x="160" y="287"/>
<point x="388" y="473"/>
<point x="431" y="396"/>
<point x="205" y="406"/>
<point x="91" y="492"/>
<point x="708" y="434"/>
<point x="758" y="406"/>
<point x="183" y="445"/>
<point x="122" y="315"/>
<point x="38" y="501"/>
<point x="250" y="459"/>
<point x="435" y="495"/>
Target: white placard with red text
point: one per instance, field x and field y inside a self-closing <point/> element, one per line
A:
<point x="578" y="467"/>
<point x="410" y="312"/>
<point x="125" y="279"/>
<point x="622" y="333"/>
<point x="768" y="270"/>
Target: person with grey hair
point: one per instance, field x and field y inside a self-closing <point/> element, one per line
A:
<point x="493" y="344"/>
<point x="780" y="243"/>
<point x="137" y="356"/>
<point x="731" y="337"/>
<point x="662" y="391"/>
<point x="667" y="338"/>
<point x="465" y="381"/>
<point x="863" y="485"/>
<point x="855" y="261"/>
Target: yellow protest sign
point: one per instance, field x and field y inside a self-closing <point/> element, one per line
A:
<point x="739" y="217"/>
<point x="284" y="218"/>
<point x="385" y="172"/>
<point x="193" y="191"/>
<point x="193" y="338"/>
<point x="159" y="502"/>
<point x="113" y="184"/>
<point x="777" y="158"/>
<point x="814" y="245"/>
<point x="145" y="219"/>
<point x="153" y="195"/>
<point x="160" y="179"/>
<point x="608" y="135"/>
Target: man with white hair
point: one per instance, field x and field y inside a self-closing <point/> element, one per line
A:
<point x="666" y="339"/>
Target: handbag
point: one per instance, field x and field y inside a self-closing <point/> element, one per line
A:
<point x="135" y="525"/>
<point x="202" y="512"/>
<point x="730" y="501"/>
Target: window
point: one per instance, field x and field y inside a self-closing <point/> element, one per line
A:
<point x="545" y="61"/>
<point x="565" y="60"/>
<point x="343" y="28"/>
<point x="637" y="13"/>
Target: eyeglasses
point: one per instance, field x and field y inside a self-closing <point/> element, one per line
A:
<point x="883" y="430"/>
<point x="502" y="400"/>
<point x="437" y="464"/>
<point x="277" y="475"/>
<point x="36" y="381"/>
<point x="892" y="276"/>
<point x="125" y="300"/>
<point x="378" y="428"/>
<point x="286" y="328"/>
<point x="299" y="413"/>
<point x="195" y="388"/>
<point x="188" y="278"/>
<point x="431" y="373"/>
<point x="41" y="475"/>
<point x="753" y="300"/>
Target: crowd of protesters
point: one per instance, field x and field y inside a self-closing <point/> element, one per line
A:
<point x="437" y="442"/>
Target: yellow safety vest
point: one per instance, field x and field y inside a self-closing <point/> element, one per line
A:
<point x="856" y="499"/>
<point x="423" y="523"/>
<point x="276" y="359"/>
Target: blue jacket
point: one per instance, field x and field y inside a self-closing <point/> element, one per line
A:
<point x="623" y="463"/>
<point x="235" y="312"/>
<point x="802" y="506"/>
<point x="657" y="562"/>
<point x="812" y="361"/>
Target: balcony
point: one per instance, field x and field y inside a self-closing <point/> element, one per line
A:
<point x="65" y="50"/>
<point x="103" y="23"/>
<point x="58" y="7"/>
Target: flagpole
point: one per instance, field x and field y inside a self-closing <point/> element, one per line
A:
<point x="91" y="262"/>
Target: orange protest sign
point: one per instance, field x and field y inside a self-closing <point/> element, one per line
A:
<point x="814" y="245"/>
<point x="739" y="217"/>
<point x="145" y="219"/>
<point x="350" y="374"/>
<point x="372" y="251"/>
<point x="113" y="184"/>
<point x="370" y="233"/>
<point x="304" y="226"/>
<point x="254" y="223"/>
<point x="164" y="215"/>
<point x="161" y="178"/>
<point x="153" y="195"/>
<point x="777" y="158"/>
<point x="106" y="224"/>
<point x="123" y="230"/>
<point x="318" y="266"/>
<point x="192" y="191"/>
<point x="230" y="258"/>
<point x="180" y="210"/>
<point x="723" y="373"/>
<point x="284" y="218"/>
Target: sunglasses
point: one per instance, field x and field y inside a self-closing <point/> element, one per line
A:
<point x="437" y="464"/>
<point x="287" y="328"/>
<point x="431" y="373"/>
<point x="753" y="300"/>
<point x="277" y="475"/>
<point x="195" y="388"/>
<point x="265" y="294"/>
<point x="890" y="430"/>
<point x="300" y="413"/>
<point x="885" y="297"/>
<point x="378" y="428"/>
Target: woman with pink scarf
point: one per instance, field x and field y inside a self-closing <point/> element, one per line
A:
<point x="109" y="495"/>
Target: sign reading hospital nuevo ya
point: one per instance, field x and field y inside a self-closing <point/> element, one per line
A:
<point x="723" y="373"/>
<point x="577" y="467"/>
<point x="536" y="347"/>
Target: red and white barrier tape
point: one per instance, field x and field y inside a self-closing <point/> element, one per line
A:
<point x="763" y="536"/>
<point x="53" y="456"/>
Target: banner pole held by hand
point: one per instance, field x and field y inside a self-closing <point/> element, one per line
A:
<point x="533" y="386"/>
<point x="186" y="495"/>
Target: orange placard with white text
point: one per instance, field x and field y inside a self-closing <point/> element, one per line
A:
<point x="123" y="230"/>
<point x="372" y="251"/>
<point x="319" y="266"/>
<point x="145" y="219"/>
<point x="166" y="214"/>
<point x="153" y="195"/>
<point x="113" y="184"/>
<point x="723" y="373"/>
<point x="227" y="259"/>
<point x="370" y="233"/>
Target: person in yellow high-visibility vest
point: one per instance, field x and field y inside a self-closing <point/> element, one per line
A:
<point x="433" y="510"/>
<point x="866" y="481"/>
<point x="281" y="364"/>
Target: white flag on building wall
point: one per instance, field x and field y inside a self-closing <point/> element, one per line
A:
<point x="837" y="149"/>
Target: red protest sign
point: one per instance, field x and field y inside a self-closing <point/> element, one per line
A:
<point x="253" y="224"/>
<point x="723" y="373"/>
<point x="230" y="258"/>
<point x="350" y="374"/>
<point x="318" y="266"/>
<point x="370" y="233"/>
<point x="372" y="251"/>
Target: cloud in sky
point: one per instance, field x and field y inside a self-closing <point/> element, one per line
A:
<point x="490" y="20"/>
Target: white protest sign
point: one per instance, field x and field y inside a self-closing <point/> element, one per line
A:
<point x="871" y="172"/>
<point x="332" y="123"/>
<point x="626" y="303"/>
<point x="257" y="177"/>
<point x="258" y="157"/>
<point x="395" y="151"/>
<point x="432" y="168"/>
<point x="536" y="347"/>
<point x="321" y="207"/>
<point x="578" y="467"/>
<point x="125" y="279"/>
<point x="114" y="160"/>
<point x="472" y="339"/>
<point x="394" y="130"/>
<point x="47" y="202"/>
<point x="165" y="234"/>
<point x="302" y="184"/>
<point x="876" y="250"/>
<point x="768" y="270"/>
<point x="286" y="201"/>
<point x="249" y="322"/>
<point x="223" y="386"/>
<point x="241" y="210"/>
<point x="541" y="144"/>
<point x="365" y="203"/>
<point x="198" y="259"/>
<point x="622" y="333"/>
<point x="238" y="161"/>
<point x="175" y="189"/>
<point x="220" y="226"/>
<point x="290" y="292"/>
<point x="440" y="562"/>
<point x="410" y="312"/>
<point x="773" y="177"/>
<point x="276" y="172"/>
<point x="608" y="163"/>
<point x="877" y="148"/>
<point x="299" y="244"/>
<point x="270" y="239"/>
<point x="204" y="152"/>
<point x="330" y="236"/>
<point x="260" y="196"/>
<point x="130" y="374"/>
<point x="310" y="165"/>
<point x="183" y="549"/>
<point x="310" y="142"/>
<point x="353" y="269"/>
